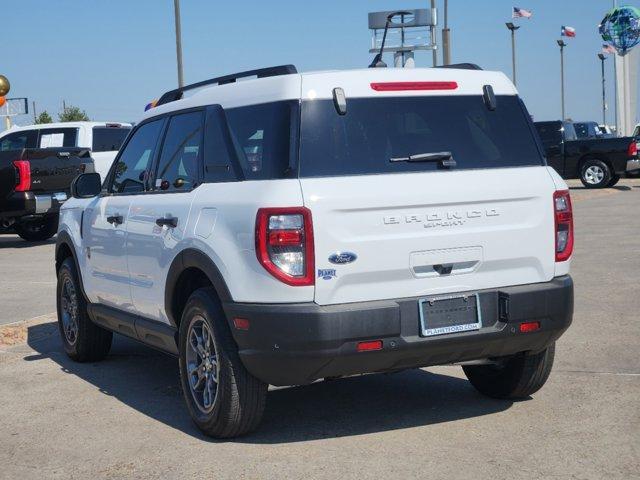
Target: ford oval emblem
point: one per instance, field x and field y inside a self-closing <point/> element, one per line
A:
<point x="341" y="258"/>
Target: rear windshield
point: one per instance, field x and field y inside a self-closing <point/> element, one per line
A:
<point x="107" y="139"/>
<point x="374" y="130"/>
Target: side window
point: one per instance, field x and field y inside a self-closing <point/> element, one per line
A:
<point x="178" y="165"/>
<point x="58" y="137"/>
<point x="108" y="139"/>
<point x="19" y="140"/>
<point x="132" y="169"/>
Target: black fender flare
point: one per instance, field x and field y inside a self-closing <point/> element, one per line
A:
<point x="192" y="258"/>
<point x="64" y="239"/>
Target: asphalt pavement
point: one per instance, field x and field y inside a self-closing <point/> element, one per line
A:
<point x="125" y="418"/>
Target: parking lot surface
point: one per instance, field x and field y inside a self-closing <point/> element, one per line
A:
<point x="125" y="417"/>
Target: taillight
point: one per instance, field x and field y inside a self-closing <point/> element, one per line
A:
<point x="23" y="175"/>
<point x="564" y="224"/>
<point x="284" y="244"/>
<point x="632" y="151"/>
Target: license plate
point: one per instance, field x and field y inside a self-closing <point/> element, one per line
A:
<point x="451" y="314"/>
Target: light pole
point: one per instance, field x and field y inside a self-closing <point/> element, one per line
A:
<point x="602" y="58"/>
<point x="561" y="44"/>
<point x="446" y="36"/>
<point x="513" y="29"/>
<point x="176" y="9"/>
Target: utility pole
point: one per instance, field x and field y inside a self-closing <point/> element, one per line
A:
<point x="176" y="8"/>
<point x="513" y="29"/>
<point x="602" y="58"/>
<point x="35" y="116"/>
<point x="434" y="52"/>
<point x="446" y="36"/>
<point x="561" y="44"/>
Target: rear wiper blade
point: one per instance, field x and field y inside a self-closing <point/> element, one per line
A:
<point x="445" y="158"/>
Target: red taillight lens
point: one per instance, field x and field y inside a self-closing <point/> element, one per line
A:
<point x="632" y="151"/>
<point x="403" y="86"/>
<point x="284" y="244"/>
<point x="529" y="327"/>
<point x="23" y="175"/>
<point x="564" y="224"/>
<point x="369" y="346"/>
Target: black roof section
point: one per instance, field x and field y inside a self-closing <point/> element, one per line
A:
<point x="173" y="95"/>
<point x="461" y="66"/>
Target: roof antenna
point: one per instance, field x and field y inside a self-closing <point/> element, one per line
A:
<point x="377" y="60"/>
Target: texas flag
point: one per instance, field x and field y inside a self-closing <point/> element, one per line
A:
<point x="568" y="31"/>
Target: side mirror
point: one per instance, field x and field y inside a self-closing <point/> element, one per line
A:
<point x="86" y="185"/>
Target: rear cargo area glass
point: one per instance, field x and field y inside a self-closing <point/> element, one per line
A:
<point x="374" y="130"/>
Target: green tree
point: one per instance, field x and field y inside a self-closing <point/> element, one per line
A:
<point x="73" y="114"/>
<point x="44" y="117"/>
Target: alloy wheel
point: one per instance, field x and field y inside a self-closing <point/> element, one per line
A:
<point x="202" y="364"/>
<point x="594" y="175"/>
<point x="69" y="306"/>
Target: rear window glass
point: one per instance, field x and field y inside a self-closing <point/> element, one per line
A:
<point x="374" y="130"/>
<point x="107" y="139"/>
<point x="19" y="140"/>
<point x="264" y="137"/>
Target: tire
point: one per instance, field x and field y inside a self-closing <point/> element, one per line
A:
<point x="595" y="174"/>
<point x="37" y="229"/>
<point x="516" y="377"/>
<point x="614" y="179"/>
<point x="83" y="340"/>
<point x="235" y="403"/>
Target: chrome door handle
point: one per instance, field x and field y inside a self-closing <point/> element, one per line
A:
<point x="171" y="222"/>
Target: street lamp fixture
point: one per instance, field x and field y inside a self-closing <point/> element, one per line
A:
<point x="561" y="44"/>
<point x="513" y="29"/>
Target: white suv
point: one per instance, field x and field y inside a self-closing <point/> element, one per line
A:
<point x="294" y="227"/>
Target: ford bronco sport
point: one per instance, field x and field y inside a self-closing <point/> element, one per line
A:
<point x="295" y="227"/>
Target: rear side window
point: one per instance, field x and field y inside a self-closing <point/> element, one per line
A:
<point x="264" y="137"/>
<point x="131" y="171"/>
<point x="108" y="139"/>
<point x="19" y="140"/>
<point x="178" y="165"/>
<point x="58" y="137"/>
<point x="550" y="132"/>
<point x="374" y="130"/>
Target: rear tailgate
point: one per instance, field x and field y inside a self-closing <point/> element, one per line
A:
<point x="53" y="169"/>
<point x="431" y="233"/>
<point x="378" y="187"/>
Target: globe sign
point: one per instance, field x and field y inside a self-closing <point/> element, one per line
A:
<point x="621" y="28"/>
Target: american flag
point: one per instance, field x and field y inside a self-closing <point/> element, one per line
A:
<point x="567" y="31"/>
<point x="606" y="48"/>
<point x="521" y="13"/>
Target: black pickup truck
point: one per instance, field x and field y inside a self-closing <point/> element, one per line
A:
<point x="33" y="185"/>
<point x="597" y="162"/>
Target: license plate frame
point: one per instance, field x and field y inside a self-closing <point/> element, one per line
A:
<point x="426" y="331"/>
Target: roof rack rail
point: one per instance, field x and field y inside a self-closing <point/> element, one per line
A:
<point x="461" y="66"/>
<point x="173" y="95"/>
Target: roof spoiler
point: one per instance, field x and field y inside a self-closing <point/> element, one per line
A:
<point x="461" y="66"/>
<point x="177" y="94"/>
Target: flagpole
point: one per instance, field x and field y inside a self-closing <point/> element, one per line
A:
<point x="561" y="44"/>
<point x="513" y="29"/>
<point x="602" y="58"/>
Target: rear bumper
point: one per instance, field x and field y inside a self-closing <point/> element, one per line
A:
<point x="20" y="204"/>
<point x="633" y="165"/>
<point x="291" y="344"/>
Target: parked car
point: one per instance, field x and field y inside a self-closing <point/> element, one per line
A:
<point x="33" y="185"/>
<point x="597" y="162"/>
<point x="296" y="227"/>
<point x="103" y="139"/>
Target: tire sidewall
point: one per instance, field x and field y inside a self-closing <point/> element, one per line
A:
<point x="199" y="304"/>
<point x="68" y="270"/>
<point x="599" y="163"/>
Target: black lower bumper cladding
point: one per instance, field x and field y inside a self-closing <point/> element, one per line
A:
<point x="292" y="344"/>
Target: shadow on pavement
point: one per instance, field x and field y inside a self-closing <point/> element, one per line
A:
<point x="17" y="242"/>
<point x="621" y="188"/>
<point x="147" y="381"/>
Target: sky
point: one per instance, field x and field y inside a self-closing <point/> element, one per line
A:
<point x="112" y="57"/>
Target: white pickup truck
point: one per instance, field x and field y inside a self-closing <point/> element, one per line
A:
<point x="102" y="138"/>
